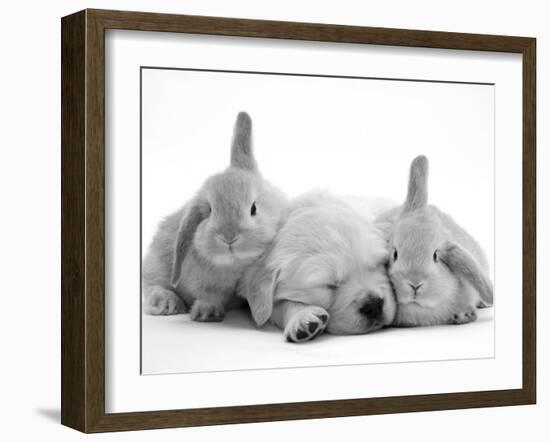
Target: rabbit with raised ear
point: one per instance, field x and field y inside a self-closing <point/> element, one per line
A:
<point x="199" y="253"/>
<point x="438" y="270"/>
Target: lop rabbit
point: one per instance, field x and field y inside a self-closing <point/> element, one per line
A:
<point x="199" y="252"/>
<point x="438" y="270"/>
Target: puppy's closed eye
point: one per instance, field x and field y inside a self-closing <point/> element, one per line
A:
<point x="333" y="286"/>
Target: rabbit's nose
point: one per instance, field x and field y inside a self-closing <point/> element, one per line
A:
<point x="373" y="308"/>
<point x="415" y="287"/>
<point x="229" y="241"/>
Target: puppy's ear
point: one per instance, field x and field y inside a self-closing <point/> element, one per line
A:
<point x="242" y="155"/>
<point x="464" y="265"/>
<point x="258" y="286"/>
<point x="192" y="216"/>
<point x="417" y="191"/>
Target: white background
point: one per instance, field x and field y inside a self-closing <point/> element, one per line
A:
<point x="349" y="136"/>
<point x="30" y="186"/>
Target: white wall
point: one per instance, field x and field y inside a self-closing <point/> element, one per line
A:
<point x="356" y="150"/>
<point x="29" y="238"/>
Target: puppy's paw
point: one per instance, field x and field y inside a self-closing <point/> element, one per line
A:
<point x="469" y="315"/>
<point x="203" y="311"/>
<point x="163" y="301"/>
<point x="307" y="324"/>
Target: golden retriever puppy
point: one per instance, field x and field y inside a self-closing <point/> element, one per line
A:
<point x="325" y="271"/>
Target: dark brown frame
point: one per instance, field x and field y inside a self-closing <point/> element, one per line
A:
<point x="83" y="216"/>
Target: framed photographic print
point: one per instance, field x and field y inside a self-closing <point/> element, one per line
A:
<point x="269" y="220"/>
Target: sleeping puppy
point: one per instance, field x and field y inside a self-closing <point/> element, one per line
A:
<point x="325" y="271"/>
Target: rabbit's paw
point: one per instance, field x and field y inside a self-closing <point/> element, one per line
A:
<point x="482" y="304"/>
<point x="163" y="301"/>
<point x="203" y="311"/>
<point x="463" y="317"/>
<point x="306" y="324"/>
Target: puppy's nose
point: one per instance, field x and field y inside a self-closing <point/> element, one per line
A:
<point x="372" y="308"/>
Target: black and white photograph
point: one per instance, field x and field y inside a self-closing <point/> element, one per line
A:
<point x="301" y="220"/>
<point x="271" y="221"/>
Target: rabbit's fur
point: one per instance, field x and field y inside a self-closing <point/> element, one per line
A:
<point x="199" y="252"/>
<point x="438" y="270"/>
<point x="324" y="271"/>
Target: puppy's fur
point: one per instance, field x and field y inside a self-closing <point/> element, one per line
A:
<point x="324" y="271"/>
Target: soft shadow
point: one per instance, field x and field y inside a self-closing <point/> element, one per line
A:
<point x="52" y="414"/>
<point x="483" y="319"/>
<point x="239" y="319"/>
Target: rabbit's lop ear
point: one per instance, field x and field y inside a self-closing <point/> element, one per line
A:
<point x="417" y="192"/>
<point x="258" y="287"/>
<point x="241" y="147"/>
<point x="464" y="265"/>
<point x="193" y="215"/>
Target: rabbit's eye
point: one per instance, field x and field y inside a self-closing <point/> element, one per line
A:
<point x="395" y="254"/>
<point x="253" y="209"/>
<point x="436" y="257"/>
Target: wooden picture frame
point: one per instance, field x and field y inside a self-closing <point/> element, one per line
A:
<point x="83" y="219"/>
